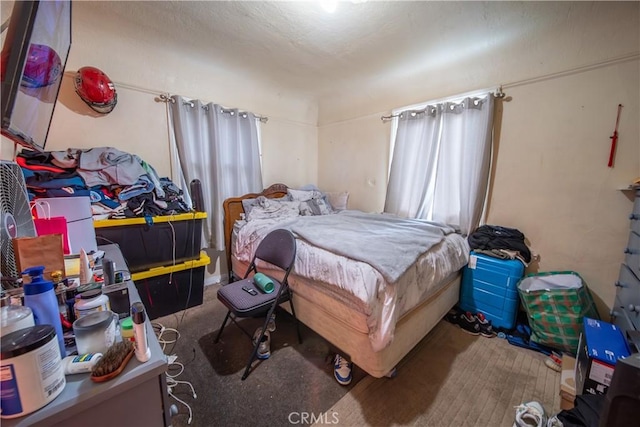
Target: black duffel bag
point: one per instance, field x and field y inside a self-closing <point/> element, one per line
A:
<point x="488" y="237"/>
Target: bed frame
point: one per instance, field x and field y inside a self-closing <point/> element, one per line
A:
<point x="342" y="326"/>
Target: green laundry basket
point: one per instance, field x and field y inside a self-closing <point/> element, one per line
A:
<point x="555" y="303"/>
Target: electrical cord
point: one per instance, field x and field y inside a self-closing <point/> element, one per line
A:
<point x="193" y="248"/>
<point x="173" y="250"/>
<point x="174" y="368"/>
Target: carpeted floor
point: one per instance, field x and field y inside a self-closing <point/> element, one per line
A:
<point x="453" y="379"/>
<point x="296" y="379"/>
<point x="449" y="379"/>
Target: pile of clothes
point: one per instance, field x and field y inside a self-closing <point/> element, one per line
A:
<point x="119" y="184"/>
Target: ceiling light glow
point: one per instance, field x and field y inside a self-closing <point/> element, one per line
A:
<point x="329" y="6"/>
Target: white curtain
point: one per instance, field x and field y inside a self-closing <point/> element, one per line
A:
<point x="218" y="146"/>
<point x="441" y="161"/>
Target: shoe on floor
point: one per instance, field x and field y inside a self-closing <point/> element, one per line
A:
<point x="469" y="323"/>
<point x="486" y="329"/>
<point x="553" y="362"/>
<point x="264" y="349"/>
<point x="530" y="414"/>
<point x="453" y="316"/>
<point x="554" y="422"/>
<point x="342" y="370"/>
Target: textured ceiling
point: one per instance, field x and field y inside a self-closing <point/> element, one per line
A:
<point x="363" y="46"/>
<point x="300" y="46"/>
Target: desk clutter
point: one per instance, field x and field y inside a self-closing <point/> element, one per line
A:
<point x="53" y="330"/>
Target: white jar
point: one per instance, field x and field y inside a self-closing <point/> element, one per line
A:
<point x="90" y="302"/>
<point x="31" y="370"/>
<point x="15" y="317"/>
<point x="95" y="332"/>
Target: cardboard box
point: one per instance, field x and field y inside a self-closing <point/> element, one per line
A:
<point x="567" y="382"/>
<point x="601" y="345"/>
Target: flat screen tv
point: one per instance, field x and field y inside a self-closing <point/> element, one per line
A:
<point x="34" y="55"/>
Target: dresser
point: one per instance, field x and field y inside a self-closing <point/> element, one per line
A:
<point x="626" y="310"/>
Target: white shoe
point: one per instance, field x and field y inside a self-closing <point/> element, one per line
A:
<point x="530" y="414"/>
<point x="342" y="370"/>
<point x="264" y="350"/>
<point x="554" y="422"/>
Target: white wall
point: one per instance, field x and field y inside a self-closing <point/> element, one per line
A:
<point x="550" y="177"/>
<point x="141" y="70"/>
<point x="353" y="156"/>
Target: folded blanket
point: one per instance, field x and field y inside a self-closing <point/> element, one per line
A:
<point x="388" y="243"/>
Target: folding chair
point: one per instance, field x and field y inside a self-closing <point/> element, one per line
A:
<point x="245" y="299"/>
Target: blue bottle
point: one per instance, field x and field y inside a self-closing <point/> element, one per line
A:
<point x="40" y="297"/>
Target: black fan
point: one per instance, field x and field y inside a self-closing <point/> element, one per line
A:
<point x="15" y="218"/>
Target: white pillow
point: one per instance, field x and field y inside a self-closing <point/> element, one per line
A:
<point x="270" y="208"/>
<point x="338" y="199"/>
<point x="248" y="204"/>
<point x="304" y="195"/>
<point x="315" y="207"/>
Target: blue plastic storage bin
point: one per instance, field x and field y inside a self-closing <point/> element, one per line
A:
<point x="489" y="286"/>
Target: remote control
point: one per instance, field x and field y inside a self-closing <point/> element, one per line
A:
<point x="250" y="290"/>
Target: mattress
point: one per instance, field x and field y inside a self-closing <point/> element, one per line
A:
<point x="362" y="296"/>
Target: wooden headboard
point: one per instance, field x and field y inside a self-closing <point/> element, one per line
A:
<point x="233" y="208"/>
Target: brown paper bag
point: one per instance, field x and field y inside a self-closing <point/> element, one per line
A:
<point x="47" y="250"/>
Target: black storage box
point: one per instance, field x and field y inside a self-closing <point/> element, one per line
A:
<point x="148" y="245"/>
<point x="166" y="290"/>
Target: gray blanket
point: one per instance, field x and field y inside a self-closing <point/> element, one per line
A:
<point x="386" y="242"/>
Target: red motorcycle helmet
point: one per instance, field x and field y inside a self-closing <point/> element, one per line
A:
<point x="43" y="66"/>
<point x="96" y="89"/>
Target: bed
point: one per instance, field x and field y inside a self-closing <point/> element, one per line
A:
<point x="373" y="311"/>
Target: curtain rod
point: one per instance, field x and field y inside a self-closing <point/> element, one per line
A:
<point x="165" y="97"/>
<point x="569" y="72"/>
<point x="497" y="94"/>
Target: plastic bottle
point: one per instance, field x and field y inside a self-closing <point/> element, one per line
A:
<point x="126" y="329"/>
<point x="86" y="272"/>
<point x="81" y="363"/>
<point x="138" y="315"/>
<point x="40" y="297"/>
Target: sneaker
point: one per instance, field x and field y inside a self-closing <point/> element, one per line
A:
<point x="554" y="422"/>
<point x="553" y="362"/>
<point x="342" y="370"/>
<point x="469" y="323"/>
<point x="486" y="329"/>
<point x="453" y="316"/>
<point x="271" y="326"/>
<point x="466" y="321"/>
<point x="530" y="414"/>
<point x="264" y="349"/>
